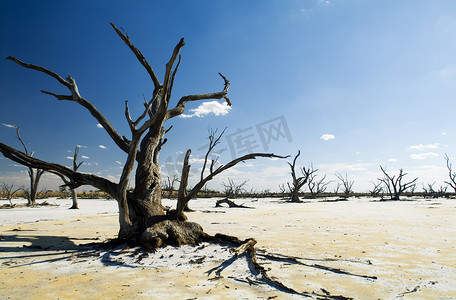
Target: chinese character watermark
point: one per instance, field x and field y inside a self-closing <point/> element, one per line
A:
<point x="243" y="141"/>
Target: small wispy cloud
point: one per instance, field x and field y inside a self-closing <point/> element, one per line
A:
<point x="392" y="160"/>
<point x="208" y="107"/>
<point x="85" y="157"/>
<point x="118" y="162"/>
<point x="422" y="156"/>
<point x="8" y="125"/>
<point x="102" y="147"/>
<point x="69" y="157"/>
<point x="196" y="160"/>
<point x="99" y="125"/>
<point x="447" y="72"/>
<point x="327" y="137"/>
<point x="81" y="146"/>
<point x="423" y="147"/>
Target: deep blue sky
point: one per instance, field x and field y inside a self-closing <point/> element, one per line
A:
<point x="376" y="78"/>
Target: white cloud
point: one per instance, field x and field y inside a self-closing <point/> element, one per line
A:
<point x="102" y="147"/>
<point x="85" y="157"/>
<point x="81" y="146"/>
<point x="392" y="160"/>
<point x="69" y="157"/>
<point x="423" y="147"/>
<point x="324" y="2"/>
<point x="447" y="72"/>
<point x="8" y="125"/>
<point x="327" y="137"/>
<point x="99" y="125"/>
<point x="423" y="155"/>
<point x="118" y="162"/>
<point x="208" y="107"/>
<point x="197" y="160"/>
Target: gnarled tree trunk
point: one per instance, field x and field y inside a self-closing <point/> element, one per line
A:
<point x="141" y="214"/>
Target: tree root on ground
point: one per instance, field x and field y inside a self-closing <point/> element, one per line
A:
<point x="167" y="233"/>
<point x="248" y="247"/>
<point x="230" y="203"/>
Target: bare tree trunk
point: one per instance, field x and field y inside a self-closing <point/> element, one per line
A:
<point x="141" y="214"/>
<point x="74" y="199"/>
<point x="298" y="182"/>
<point x="34" y="184"/>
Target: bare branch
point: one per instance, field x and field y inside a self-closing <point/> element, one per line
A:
<point x="180" y="107"/>
<point x="213" y="142"/>
<point x="167" y="83"/>
<point x="75" y="159"/>
<point x="78" y="178"/>
<point x="58" y="97"/>
<point x="184" y="198"/>
<point x="70" y="83"/>
<point x="451" y="174"/>
<point x="138" y="55"/>
<point x="41" y="69"/>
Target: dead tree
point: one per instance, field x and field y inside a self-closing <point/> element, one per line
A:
<point x="451" y="174"/>
<point x="377" y="189"/>
<point x="76" y="166"/>
<point x="34" y="173"/>
<point x="316" y="187"/>
<point x="231" y="189"/>
<point x="347" y="184"/>
<point x="282" y="189"/>
<point x="429" y="191"/>
<point x="142" y="216"/>
<point x="67" y="182"/>
<point x="394" y="185"/>
<point x="337" y="188"/>
<point x="169" y="185"/>
<point x="297" y="182"/>
<point x="8" y="192"/>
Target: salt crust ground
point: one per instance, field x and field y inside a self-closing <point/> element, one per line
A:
<point x="410" y="246"/>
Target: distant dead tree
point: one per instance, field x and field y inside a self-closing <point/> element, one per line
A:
<point x="67" y="182"/>
<point x="451" y="174"/>
<point x="316" y="187"/>
<point x="428" y="190"/>
<point x="297" y="182"/>
<point x="377" y="188"/>
<point x="394" y="184"/>
<point x="76" y="166"/>
<point x="34" y="174"/>
<point x="337" y="188"/>
<point x="347" y="184"/>
<point x="8" y="192"/>
<point x="282" y="189"/>
<point x="169" y="185"/>
<point x="231" y="189"/>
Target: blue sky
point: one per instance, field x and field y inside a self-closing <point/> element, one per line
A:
<point x="352" y="84"/>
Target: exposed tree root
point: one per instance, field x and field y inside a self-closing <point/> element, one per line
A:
<point x="230" y="203"/>
<point x="177" y="233"/>
<point x="247" y="247"/>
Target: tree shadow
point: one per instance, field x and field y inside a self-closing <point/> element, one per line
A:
<point x="36" y="249"/>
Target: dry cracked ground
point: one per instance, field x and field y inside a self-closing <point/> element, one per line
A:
<point x="359" y="249"/>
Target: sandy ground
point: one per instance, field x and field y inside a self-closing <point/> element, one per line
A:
<point x="408" y="246"/>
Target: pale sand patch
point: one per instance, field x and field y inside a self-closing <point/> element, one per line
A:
<point x="409" y="246"/>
